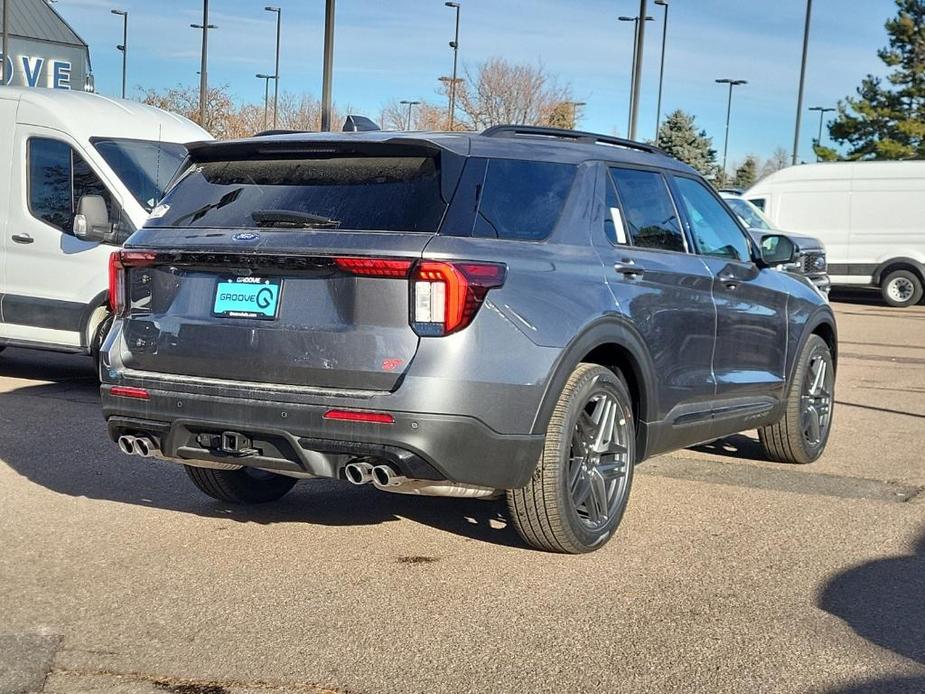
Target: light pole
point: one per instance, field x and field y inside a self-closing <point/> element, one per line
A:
<point x="454" y="44"/>
<point x="637" y="73"/>
<point x="279" y="21"/>
<point x="124" y="46"/>
<point x="731" y="83"/>
<point x="266" y="95"/>
<point x="796" y="132"/>
<point x="822" y="111"/>
<point x="661" y="70"/>
<point x="575" y="106"/>
<point x="635" y="21"/>
<point x="203" y="68"/>
<point x="410" y="105"/>
<point x="328" y="68"/>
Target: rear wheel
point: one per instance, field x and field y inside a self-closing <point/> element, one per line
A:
<point x="579" y="490"/>
<point x="244" y="486"/>
<point x="901" y="288"/>
<point x="801" y="434"/>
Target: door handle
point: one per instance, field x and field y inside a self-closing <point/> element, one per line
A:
<point x="628" y="268"/>
<point x="23" y="238"/>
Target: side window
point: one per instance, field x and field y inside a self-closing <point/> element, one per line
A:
<point x="714" y="230"/>
<point x="759" y="203"/>
<point x="522" y="200"/>
<point x="614" y="226"/>
<point x="649" y="215"/>
<point x="58" y="178"/>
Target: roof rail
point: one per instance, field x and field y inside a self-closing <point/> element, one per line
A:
<point x="565" y="134"/>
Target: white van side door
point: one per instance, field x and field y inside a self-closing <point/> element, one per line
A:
<point x="52" y="279"/>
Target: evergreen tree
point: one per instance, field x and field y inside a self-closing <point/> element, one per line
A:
<point x="887" y="121"/>
<point x="678" y="135"/>
<point x="746" y="173"/>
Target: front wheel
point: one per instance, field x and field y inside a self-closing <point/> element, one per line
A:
<point x="801" y="434"/>
<point x="244" y="486"/>
<point x="901" y="289"/>
<point x="579" y="490"/>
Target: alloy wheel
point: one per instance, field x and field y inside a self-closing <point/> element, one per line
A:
<point x="816" y="400"/>
<point x="599" y="457"/>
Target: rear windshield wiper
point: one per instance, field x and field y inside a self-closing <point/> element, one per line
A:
<point x="289" y="219"/>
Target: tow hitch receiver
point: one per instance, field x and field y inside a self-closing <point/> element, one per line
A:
<point x="228" y="442"/>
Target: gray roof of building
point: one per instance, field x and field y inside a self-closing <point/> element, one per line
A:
<point x="36" y="19"/>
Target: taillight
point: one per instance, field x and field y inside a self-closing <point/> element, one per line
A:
<point x="118" y="262"/>
<point x="375" y="267"/>
<point x="446" y="296"/>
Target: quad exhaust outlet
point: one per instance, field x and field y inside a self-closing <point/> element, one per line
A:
<point x="386" y="478"/>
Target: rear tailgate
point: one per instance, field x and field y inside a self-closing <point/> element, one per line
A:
<point x="250" y="275"/>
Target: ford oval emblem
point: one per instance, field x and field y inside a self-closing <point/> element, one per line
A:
<point x="246" y="236"/>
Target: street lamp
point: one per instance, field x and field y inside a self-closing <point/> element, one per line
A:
<point x="796" y="133"/>
<point x="279" y="20"/>
<point x="635" y="21"/>
<point x="328" y="67"/>
<point x="266" y="95"/>
<point x="575" y="106"/>
<point x="203" y="69"/>
<point x="822" y="111"/>
<point x="731" y="83"/>
<point x="454" y="44"/>
<point x="661" y="70"/>
<point x="124" y="45"/>
<point x="410" y="105"/>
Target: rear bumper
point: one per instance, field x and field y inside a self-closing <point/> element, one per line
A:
<point x="289" y="436"/>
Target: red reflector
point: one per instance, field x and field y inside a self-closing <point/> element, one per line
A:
<point x="375" y="267"/>
<point x="358" y="416"/>
<point x="129" y="392"/>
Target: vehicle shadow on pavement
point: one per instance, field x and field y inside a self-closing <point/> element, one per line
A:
<point x="884" y="602"/>
<point x="735" y="446"/>
<point x="54" y="435"/>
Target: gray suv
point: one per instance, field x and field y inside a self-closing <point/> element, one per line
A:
<point x="525" y="312"/>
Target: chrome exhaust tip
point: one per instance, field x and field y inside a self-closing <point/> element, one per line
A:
<point x="127" y="444"/>
<point x="387" y="476"/>
<point x="359" y="473"/>
<point x="144" y="447"/>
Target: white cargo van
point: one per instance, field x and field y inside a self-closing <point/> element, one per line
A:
<point x="869" y="215"/>
<point x="79" y="173"/>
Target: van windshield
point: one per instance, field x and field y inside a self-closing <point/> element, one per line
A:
<point x="392" y="193"/>
<point x="145" y="167"/>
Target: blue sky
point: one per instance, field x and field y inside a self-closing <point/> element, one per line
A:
<point x="387" y="49"/>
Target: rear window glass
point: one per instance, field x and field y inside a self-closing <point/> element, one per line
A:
<point x="367" y="193"/>
<point x="522" y="199"/>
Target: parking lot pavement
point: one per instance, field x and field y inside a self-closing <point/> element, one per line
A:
<point x="729" y="574"/>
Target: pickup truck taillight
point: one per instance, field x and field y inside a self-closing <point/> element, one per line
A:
<point x="445" y="296"/>
<point x="118" y="262"/>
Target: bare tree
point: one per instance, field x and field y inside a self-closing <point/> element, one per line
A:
<point x="424" y="116"/>
<point x="780" y="159"/>
<point x="185" y="101"/>
<point x="500" y="92"/>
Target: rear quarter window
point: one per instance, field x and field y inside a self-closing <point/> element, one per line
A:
<point x="522" y="200"/>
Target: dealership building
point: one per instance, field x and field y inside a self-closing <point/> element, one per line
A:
<point x="44" y="50"/>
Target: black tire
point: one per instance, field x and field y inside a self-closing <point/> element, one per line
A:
<point x="244" y="486"/>
<point x="96" y="344"/>
<point x="545" y="511"/>
<point x="792" y="439"/>
<point x="901" y="288"/>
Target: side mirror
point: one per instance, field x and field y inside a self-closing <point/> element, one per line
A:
<point x="777" y="249"/>
<point x="91" y="223"/>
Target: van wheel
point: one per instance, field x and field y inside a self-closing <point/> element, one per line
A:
<point x="579" y="490"/>
<point x="901" y="288"/>
<point x="244" y="486"/>
<point x="801" y="434"/>
<point x="102" y="330"/>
